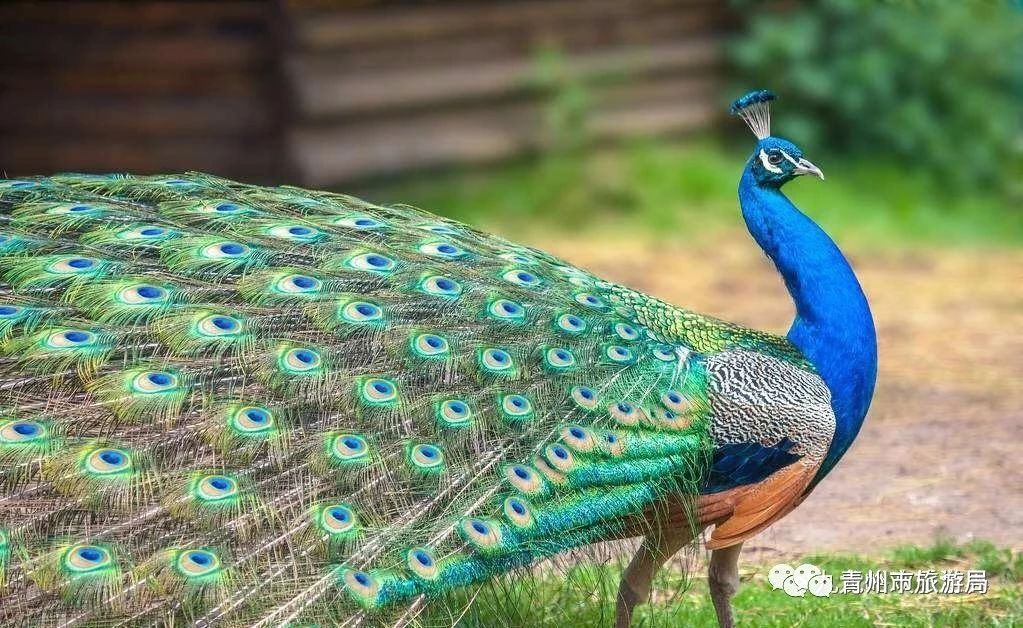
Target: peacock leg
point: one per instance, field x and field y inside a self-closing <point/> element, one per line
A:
<point x="655" y="550"/>
<point x="723" y="579"/>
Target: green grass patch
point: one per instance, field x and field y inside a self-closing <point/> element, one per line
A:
<point x="585" y="596"/>
<point x="689" y="191"/>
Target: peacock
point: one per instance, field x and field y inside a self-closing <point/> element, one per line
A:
<point x="226" y="404"/>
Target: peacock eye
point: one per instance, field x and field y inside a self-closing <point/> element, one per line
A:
<point x="775" y="158"/>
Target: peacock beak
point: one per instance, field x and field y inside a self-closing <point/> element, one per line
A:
<point x="804" y="166"/>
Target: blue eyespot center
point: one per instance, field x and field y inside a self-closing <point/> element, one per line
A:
<point x="7" y="310"/>
<point x="362" y="578"/>
<point x="159" y="379"/>
<point x="560" y="452"/>
<point x="521" y="472"/>
<point x="200" y="558"/>
<point x="423" y="558"/>
<point x="381" y="387"/>
<point x="517" y="506"/>
<point x="90" y="554"/>
<point x="221" y="484"/>
<point x="304" y="282"/>
<point x="577" y="432"/>
<point x="364" y="222"/>
<point x="79" y="208"/>
<point x="223" y="322"/>
<point x="257" y="416"/>
<point x="305" y="356"/>
<point x="112" y="457"/>
<point x="149" y="292"/>
<point x="26" y="429"/>
<point x="377" y="261"/>
<point x="299" y="231"/>
<point x="80" y="262"/>
<point x="429" y="451"/>
<point x="352" y="443"/>
<point x="445" y="284"/>
<point x="76" y="336"/>
<point x="447" y="249"/>
<point x="624" y="407"/>
<point x="226" y="207"/>
<point x="480" y="527"/>
<point x="365" y="309"/>
<point x="151" y="231"/>
<point x="232" y="248"/>
<point x="339" y="514"/>
<point x="586" y="393"/>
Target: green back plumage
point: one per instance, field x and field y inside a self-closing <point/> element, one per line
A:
<point x="228" y="403"/>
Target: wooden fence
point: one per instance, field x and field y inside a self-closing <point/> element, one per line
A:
<point x="326" y="92"/>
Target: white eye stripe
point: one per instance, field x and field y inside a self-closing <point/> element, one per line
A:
<point x="789" y="157"/>
<point x="767" y="163"/>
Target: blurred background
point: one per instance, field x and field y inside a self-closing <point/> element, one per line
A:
<point x="598" y="129"/>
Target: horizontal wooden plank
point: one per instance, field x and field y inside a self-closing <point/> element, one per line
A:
<point x="376" y="26"/>
<point x="135" y="116"/>
<point x="139" y="82"/>
<point x="105" y="52"/>
<point x="571" y="37"/>
<point x="130" y="15"/>
<point x="321" y="94"/>
<point x="330" y="154"/>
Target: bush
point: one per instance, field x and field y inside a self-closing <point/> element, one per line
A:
<point x="933" y="85"/>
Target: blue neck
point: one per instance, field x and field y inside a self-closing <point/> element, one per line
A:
<point x="833" y="326"/>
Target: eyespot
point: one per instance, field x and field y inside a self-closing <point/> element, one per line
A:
<point x="590" y="300"/>
<point x="143" y="294"/>
<point x="70" y="339"/>
<point x="379" y="391"/>
<point x="426" y="457"/>
<point x="152" y="233"/>
<point x="443" y="250"/>
<point x="516" y="407"/>
<point x="349" y="447"/>
<point x="454" y="413"/>
<point x="674" y="401"/>
<point x="298" y="284"/>
<point x="75" y="210"/>
<point x="522" y="278"/>
<point x="224" y="208"/>
<point x="17" y="432"/>
<point x="214" y="325"/>
<point x="585" y="398"/>
<point x="362" y="584"/>
<point x="153" y="382"/>
<point x="74" y="266"/>
<point x="506" y="310"/>
<point x="664" y="353"/>
<point x="619" y="354"/>
<point x="611" y="444"/>
<point x="496" y="360"/>
<point x="626" y="332"/>
<point x="108" y="461"/>
<point x="196" y="563"/>
<point x="294" y="233"/>
<point x="560" y="457"/>
<point x="626" y="413"/>
<point x="570" y="324"/>
<point x="361" y="312"/>
<point x="252" y="419"/>
<point x="87" y="558"/>
<point x="440" y="286"/>
<point x="216" y="488"/>
<point x="524" y="479"/>
<point x="430" y="346"/>
<point x="300" y="360"/>
<point x="360" y="222"/>
<point x="559" y="358"/>
<point x="482" y="533"/>
<point x="224" y="250"/>
<point x="422" y="563"/>
<point x="670" y="420"/>
<point x="518" y="512"/>
<point x="338" y="519"/>
<point x="10" y="311"/>
<point x="371" y="262"/>
<point x="578" y="438"/>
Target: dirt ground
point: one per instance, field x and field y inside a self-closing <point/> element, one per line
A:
<point x="941" y="452"/>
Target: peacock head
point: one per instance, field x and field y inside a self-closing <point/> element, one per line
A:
<point x="775" y="161"/>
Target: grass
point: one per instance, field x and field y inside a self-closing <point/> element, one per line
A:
<point x="589" y="599"/>
<point x="688" y="191"/>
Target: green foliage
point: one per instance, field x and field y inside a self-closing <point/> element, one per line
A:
<point x="586" y="595"/>
<point x="936" y="85"/>
<point x="688" y="192"/>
